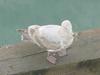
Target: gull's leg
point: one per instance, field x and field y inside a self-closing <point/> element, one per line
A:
<point x="51" y="57"/>
<point x="62" y="50"/>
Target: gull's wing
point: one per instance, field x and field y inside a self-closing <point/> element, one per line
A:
<point x="53" y="36"/>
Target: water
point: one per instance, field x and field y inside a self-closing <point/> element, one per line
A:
<point x="16" y="14"/>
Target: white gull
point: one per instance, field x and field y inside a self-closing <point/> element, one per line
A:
<point x="55" y="38"/>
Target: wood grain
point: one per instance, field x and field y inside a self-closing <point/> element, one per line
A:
<point x="25" y="56"/>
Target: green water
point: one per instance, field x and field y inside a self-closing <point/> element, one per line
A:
<point x="16" y="14"/>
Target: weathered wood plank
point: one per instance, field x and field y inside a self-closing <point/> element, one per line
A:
<point x="25" y="56"/>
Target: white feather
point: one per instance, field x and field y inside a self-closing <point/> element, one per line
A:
<point x="53" y="37"/>
<point x="56" y="38"/>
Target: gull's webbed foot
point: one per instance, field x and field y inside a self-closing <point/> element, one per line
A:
<point x="52" y="56"/>
<point x="52" y="59"/>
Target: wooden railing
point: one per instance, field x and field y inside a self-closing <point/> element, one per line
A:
<point x="25" y="56"/>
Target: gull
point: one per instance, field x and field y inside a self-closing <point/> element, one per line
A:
<point x="55" y="38"/>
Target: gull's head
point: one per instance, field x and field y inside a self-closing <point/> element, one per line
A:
<point x="67" y="25"/>
<point x="21" y="30"/>
<point x="24" y="34"/>
<point x="32" y="29"/>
